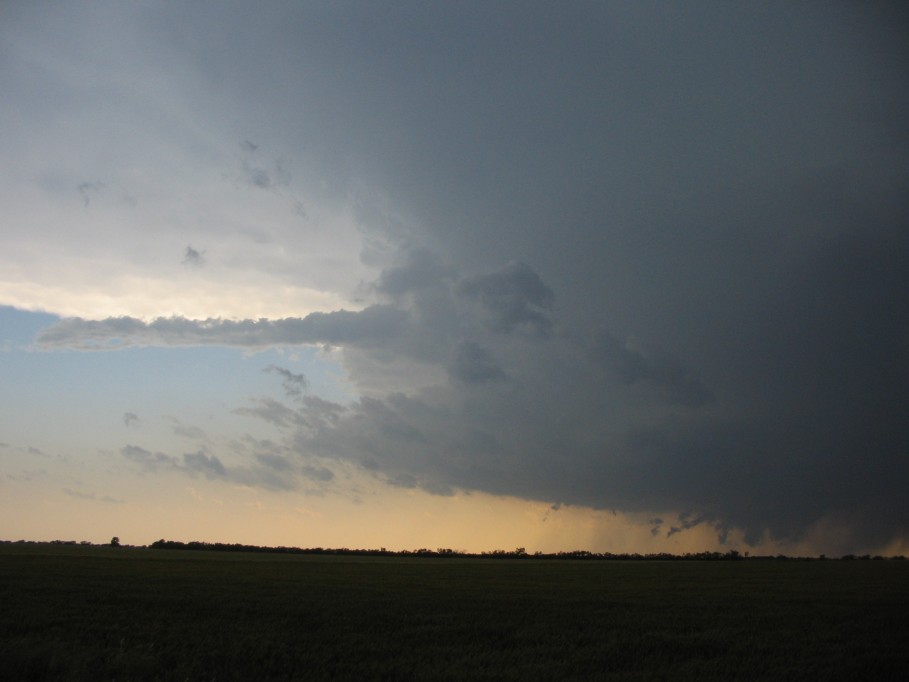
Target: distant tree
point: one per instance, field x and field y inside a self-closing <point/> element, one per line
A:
<point x="115" y="541"/>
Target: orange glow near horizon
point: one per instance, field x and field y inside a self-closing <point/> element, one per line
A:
<point x="395" y="519"/>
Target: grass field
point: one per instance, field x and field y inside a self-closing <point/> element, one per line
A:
<point x="141" y="614"/>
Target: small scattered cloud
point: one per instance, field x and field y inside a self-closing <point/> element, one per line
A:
<point x="148" y="460"/>
<point x="193" y="257"/>
<point x="209" y="465"/>
<point x="272" y="461"/>
<point x="272" y="411"/>
<point x="256" y="176"/>
<point x="293" y="384"/>
<point x="274" y="177"/>
<point x="92" y="497"/>
<point x="130" y="419"/>
<point x="79" y="495"/>
<point x="317" y="473"/>
<point x="88" y="190"/>
<point x="269" y="470"/>
<point x="186" y="430"/>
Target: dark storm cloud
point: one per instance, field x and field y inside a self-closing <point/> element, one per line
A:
<point x="812" y="428"/>
<point x="587" y="419"/>
<point x="720" y="186"/>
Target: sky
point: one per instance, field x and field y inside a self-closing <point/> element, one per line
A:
<point x="614" y="276"/>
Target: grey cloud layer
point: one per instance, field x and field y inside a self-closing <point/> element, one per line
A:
<point x="701" y="212"/>
<point x="366" y="327"/>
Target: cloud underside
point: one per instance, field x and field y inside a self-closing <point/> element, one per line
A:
<point x="367" y="327"/>
<point x="522" y="405"/>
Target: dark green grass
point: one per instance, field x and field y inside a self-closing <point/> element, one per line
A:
<point x="139" y="614"/>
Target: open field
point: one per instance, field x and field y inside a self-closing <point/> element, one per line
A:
<point x="143" y="614"/>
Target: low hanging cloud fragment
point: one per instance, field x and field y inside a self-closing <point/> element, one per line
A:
<point x="688" y="520"/>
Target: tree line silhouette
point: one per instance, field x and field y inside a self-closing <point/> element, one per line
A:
<point x="446" y="553"/>
<point x="518" y="553"/>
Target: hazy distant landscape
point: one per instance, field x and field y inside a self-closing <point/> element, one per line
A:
<point x="76" y="611"/>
